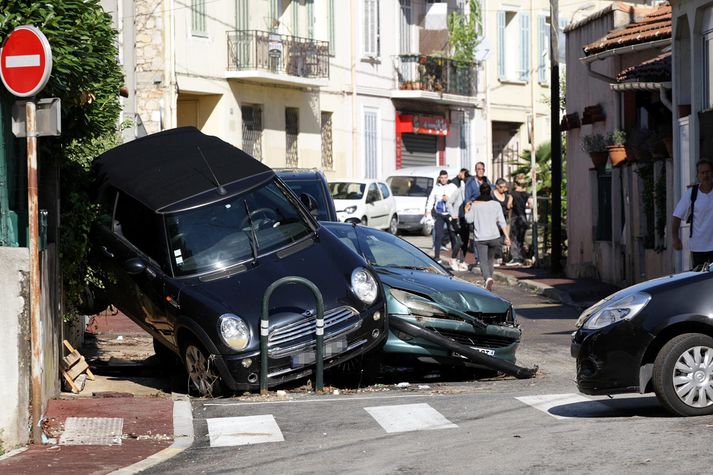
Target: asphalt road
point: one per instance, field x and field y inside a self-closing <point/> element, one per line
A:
<point x="492" y="425"/>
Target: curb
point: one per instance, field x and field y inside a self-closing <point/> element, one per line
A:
<point x="182" y="437"/>
<point x="537" y="287"/>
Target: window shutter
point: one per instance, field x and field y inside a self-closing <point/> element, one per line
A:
<point x="310" y="19"/>
<point x="332" y="34"/>
<point x="501" y="45"/>
<point x="405" y="27"/>
<point x="371" y="28"/>
<point x="295" y="18"/>
<point x="524" y="46"/>
<point x="370" y="144"/>
<point x="543" y="47"/>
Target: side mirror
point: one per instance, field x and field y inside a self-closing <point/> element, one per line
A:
<point x="135" y="266"/>
<point x="309" y="201"/>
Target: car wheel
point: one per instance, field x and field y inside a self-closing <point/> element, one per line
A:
<point x="364" y="221"/>
<point x="202" y="374"/>
<point x="683" y="375"/>
<point x="394" y="225"/>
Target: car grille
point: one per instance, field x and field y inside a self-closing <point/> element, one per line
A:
<point x="481" y="341"/>
<point x="493" y="317"/>
<point x="336" y="321"/>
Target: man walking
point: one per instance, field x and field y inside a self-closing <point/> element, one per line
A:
<point x="696" y="206"/>
<point x="472" y="186"/>
<point x="521" y="200"/>
<point x="436" y="207"/>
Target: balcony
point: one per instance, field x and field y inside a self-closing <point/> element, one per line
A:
<point x="433" y="78"/>
<point x="273" y="58"/>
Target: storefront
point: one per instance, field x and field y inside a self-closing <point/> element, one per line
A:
<point x="420" y="140"/>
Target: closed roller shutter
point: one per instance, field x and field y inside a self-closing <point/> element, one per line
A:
<point x="419" y="150"/>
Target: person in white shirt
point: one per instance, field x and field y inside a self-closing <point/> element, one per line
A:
<point x="696" y="206"/>
<point x="488" y="220"/>
<point x="436" y="207"/>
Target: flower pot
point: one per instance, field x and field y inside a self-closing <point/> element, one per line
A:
<point x="617" y="154"/>
<point x="599" y="159"/>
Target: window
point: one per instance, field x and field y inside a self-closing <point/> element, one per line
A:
<point x="707" y="71"/>
<point x="513" y="42"/>
<point x="405" y="27"/>
<point x="370" y="44"/>
<point x="242" y="15"/>
<point x="543" y="42"/>
<point x="252" y="130"/>
<point x="140" y="226"/>
<point x="371" y="142"/>
<point x="198" y="27"/>
<point x="372" y="194"/>
<point x="327" y="150"/>
<point x="384" y="190"/>
<point x="310" y="19"/>
<point x="292" y="130"/>
<point x="604" y="208"/>
<point x="296" y="17"/>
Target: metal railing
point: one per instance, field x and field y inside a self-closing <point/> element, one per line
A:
<point x="435" y="74"/>
<point x="281" y="54"/>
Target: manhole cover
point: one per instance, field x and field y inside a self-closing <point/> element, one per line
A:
<point x="92" y="431"/>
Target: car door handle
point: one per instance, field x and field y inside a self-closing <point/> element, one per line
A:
<point x="105" y="250"/>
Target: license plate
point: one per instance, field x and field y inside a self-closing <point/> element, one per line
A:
<point x="482" y="350"/>
<point x="331" y="348"/>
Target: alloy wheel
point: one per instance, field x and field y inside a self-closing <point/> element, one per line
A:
<point x="201" y="371"/>
<point x="394" y="225"/>
<point x="693" y="376"/>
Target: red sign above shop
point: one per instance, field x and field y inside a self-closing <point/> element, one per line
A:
<point x="421" y="124"/>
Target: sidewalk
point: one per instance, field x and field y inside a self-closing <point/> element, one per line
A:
<point x="112" y="425"/>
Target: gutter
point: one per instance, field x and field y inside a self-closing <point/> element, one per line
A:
<point x="626" y="49"/>
<point x="661" y="87"/>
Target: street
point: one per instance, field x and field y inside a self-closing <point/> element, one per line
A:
<point x="489" y="425"/>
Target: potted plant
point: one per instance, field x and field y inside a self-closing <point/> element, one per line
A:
<point x="595" y="145"/>
<point x="615" y="147"/>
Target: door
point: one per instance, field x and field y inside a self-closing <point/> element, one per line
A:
<point x="388" y="202"/>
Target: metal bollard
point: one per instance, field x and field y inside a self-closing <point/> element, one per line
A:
<point x="264" y="327"/>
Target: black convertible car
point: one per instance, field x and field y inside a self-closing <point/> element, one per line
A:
<point x="192" y="232"/>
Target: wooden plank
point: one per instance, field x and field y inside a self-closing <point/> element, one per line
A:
<point x="72" y="359"/>
<point x="77" y="369"/>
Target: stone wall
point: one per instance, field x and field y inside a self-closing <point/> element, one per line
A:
<point x="151" y="65"/>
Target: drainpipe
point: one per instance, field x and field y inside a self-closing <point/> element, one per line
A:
<point x="355" y="116"/>
<point x="664" y="98"/>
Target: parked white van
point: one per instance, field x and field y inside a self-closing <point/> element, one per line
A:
<point x="411" y="187"/>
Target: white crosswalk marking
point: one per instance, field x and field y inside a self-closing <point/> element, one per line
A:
<point x="409" y="417"/>
<point x="247" y="430"/>
<point x="555" y="405"/>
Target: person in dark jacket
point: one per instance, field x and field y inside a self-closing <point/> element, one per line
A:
<point x="521" y="200"/>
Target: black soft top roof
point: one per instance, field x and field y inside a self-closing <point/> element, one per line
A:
<point x="165" y="168"/>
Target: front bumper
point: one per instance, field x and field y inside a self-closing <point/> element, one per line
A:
<point x="410" y="222"/>
<point x="494" y="340"/>
<point x="609" y="359"/>
<point x="287" y="366"/>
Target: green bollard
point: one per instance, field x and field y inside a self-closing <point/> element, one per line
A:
<point x="264" y="331"/>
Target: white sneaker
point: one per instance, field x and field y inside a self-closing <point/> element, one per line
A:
<point x="489" y="284"/>
<point x="463" y="266"/>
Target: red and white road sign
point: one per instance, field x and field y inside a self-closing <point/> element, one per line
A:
<point x="25" y="61"/>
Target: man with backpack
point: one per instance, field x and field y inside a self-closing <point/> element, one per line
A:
<point x="696" y="207"/>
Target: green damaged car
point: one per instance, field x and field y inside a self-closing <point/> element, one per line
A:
<point x="434" y="316"/>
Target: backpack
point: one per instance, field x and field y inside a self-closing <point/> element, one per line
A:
<point x="694" y="195"/>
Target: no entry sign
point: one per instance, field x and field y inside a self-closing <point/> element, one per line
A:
<point x="25" y="61"/>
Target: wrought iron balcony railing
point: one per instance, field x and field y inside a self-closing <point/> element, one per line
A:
<point x="280" y="54"/>
<point x="435" y="74"/>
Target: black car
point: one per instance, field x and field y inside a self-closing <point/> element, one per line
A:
<point x="314" y="184"/>
<point x="191" y="234"/>
<point x="654" y="336"/>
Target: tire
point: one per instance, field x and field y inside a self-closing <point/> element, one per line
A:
<point x="681" y="368"/>
<point x="394" y="225"/>
<point x="203" y="376"/>
<point x="364" y="221"/>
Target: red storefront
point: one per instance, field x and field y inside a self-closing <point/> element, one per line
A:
<point x="420" y="140"/>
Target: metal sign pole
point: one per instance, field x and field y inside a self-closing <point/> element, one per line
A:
<point x="34" y="240"/>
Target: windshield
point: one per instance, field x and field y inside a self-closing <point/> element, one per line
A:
<point x="347" y="191"/>
<point x="218" y="235"/>
<point x="382" y="249"/>
<point x="314" y="189"/>
<point x="410" y="185"/>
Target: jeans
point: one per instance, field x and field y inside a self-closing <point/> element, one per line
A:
<point x="440" y="226"/>
<point x="486" y="254"/>
<point x="518" y="228"/>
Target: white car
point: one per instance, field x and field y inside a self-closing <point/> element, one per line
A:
<point x="369" y="202"/>
<point x="411" y="187"/>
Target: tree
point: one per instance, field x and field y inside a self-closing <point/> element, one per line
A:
<point x="465" y="32"/>
<point x="86" y="77"/>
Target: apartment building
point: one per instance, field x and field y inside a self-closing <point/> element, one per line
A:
<point x="356" y="88"/>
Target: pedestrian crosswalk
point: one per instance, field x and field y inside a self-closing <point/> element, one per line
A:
<point x="389" y="418"/>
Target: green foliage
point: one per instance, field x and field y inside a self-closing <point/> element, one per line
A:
<point x="86" y="77"/>
<point x="617" y="137"/>
<point x="465" y="32"/>
<point x="594" y="143"/>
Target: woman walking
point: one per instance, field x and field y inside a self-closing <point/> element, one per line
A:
<point x="488" y="220"/>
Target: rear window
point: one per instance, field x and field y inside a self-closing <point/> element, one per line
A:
<point x="347" y="191"/>
<point x="410" y="185"/>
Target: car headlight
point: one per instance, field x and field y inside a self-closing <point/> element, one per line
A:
<point x="364" y="285"/>
<point x="624" y="308"/>
<point x="234" y="332"/>
<point x="350" y="209"/>
<point x="416" y="304"/>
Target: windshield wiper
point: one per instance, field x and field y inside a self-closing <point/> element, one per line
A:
<point x="253" y="235"/>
